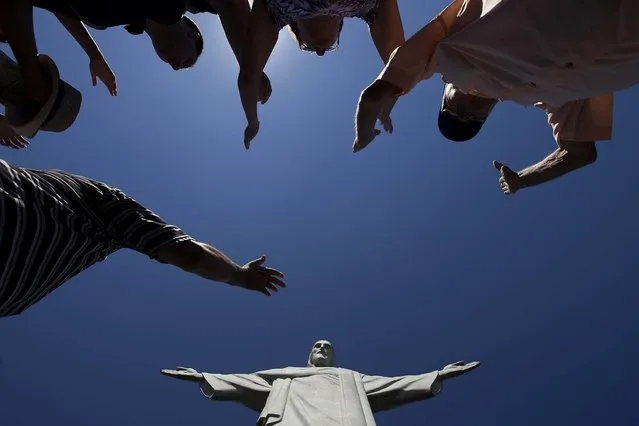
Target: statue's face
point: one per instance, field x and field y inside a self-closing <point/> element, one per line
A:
<point x="322" y="354"/>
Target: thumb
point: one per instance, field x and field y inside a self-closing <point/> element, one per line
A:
<point x="497" y="165"/>
<point x="257" y="262"/>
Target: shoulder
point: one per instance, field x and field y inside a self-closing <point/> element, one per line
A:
<point x="55" y="6"/>
<point x="165" y="11"/>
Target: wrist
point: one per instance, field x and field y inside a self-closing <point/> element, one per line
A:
<point x="95" y="56"/>
<point x="237" y="276"/>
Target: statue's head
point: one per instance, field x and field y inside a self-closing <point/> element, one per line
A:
<point x="322" y="355"/>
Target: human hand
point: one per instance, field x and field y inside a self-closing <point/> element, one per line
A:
<point x="384" y="116"/>
<point x="510" y="182"/>
<point x="250" y="132"/>
<point x="9" y="137"/>
<point x="375" y="103"/>
<point x="265" y="89"/>
<point x="254" y="276"/>
<point x="182" y="373"/>
<point x="457" y="368"/>
<point x="100" y="70"/>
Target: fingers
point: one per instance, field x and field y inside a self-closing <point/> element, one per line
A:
<point x="265" y="89"/>
<point x="360" y="144"/>
<point x="94" y="79"/>
<point x="275" y="272"/>
<point x="278" y="282"/>
<point x="387" y="123"/>
<point x="14" y="142"/>
<point x="249" y="134"/>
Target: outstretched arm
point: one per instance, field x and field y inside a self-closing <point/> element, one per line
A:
<point x="406" y="66"/>
<point x="210" y="263"/>
<point x="97" y="63"/>
<point x="134" y="226"/>
<point x="570" y="156"/>
<point x="385" y="393"/>
<point x="81" y="35"/>
<point x="258" y="46"/>
<point x="251" y="390"/>
<point x="234" y="16"/>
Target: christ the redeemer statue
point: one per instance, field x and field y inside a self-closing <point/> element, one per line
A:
<point x="319" y="394"/>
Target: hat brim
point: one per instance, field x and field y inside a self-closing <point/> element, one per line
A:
<point x="32" y="126"/>
<point x="456" y="130"/>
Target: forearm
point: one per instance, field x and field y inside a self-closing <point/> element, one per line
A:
<point x="260" y="40"/>
<point x="567" y="158"/>
<point x="234" y="16"/>
<point x="81" y="35"/>
<point x="410" y="63"/>
<point x="16" y="20"/>
<point x="248" y="85"/>
<point x="203" y="260"/>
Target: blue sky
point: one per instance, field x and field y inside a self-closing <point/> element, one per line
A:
<point x="407" y="255"/>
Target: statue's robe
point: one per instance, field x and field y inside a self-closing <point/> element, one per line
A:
<point x="324" y="396"/>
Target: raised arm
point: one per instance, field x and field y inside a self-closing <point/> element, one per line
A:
<point x="386" y="29"/>
<point x="258" y="46"/>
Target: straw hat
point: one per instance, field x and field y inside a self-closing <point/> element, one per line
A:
<point x="59" y="111"/>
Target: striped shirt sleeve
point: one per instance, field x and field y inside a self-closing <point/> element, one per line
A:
<point x="135" y="227"/>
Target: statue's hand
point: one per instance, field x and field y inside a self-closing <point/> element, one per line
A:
<point x="457" y="368"/>
<point x="183" y="373"/>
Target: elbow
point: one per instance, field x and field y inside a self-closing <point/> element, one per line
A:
<point x="186" y="255"/>
<point x="579" y="153"/>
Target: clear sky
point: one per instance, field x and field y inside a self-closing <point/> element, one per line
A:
<point x="407" y="255"/>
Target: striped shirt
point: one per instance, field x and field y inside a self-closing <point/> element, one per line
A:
<point x="54" y="225"/>
<point x="284" y="12"/>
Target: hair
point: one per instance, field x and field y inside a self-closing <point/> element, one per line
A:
<point x="138" y="28"/>
<point x="310" y="364"/>
<point x="294" y="29"/>
<point x="199" y="43"/>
